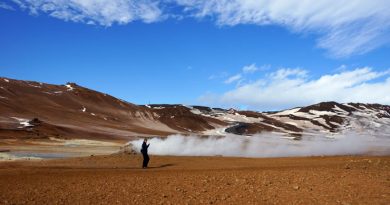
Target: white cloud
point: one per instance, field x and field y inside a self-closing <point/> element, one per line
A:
<point x="241" y="77"/>
<point x="6" y="6"/>
<point x="218" y="76"/>
<point x="286" y="88"/>
<point x="233" y="78"/>
<point x="250" y="68"/>
<point x="345" y="27"/>
<point x="102" y="12"/>
<point x="284" y="73"/>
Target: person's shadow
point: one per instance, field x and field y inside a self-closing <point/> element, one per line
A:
<point x="161" y="166"/>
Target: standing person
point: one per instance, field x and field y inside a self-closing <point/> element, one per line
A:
<point x="144" y="152"/>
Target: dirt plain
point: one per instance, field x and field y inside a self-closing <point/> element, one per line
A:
<point x="118" y="179"/>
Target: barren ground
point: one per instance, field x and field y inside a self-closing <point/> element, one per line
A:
<point x="197" y="180"/>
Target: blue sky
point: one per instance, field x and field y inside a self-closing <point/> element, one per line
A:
<point x="201" y="53"/>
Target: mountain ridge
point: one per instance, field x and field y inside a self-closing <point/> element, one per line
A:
<point x="73" y="111"/>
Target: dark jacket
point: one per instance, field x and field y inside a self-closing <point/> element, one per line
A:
<point x="144" y="149"/>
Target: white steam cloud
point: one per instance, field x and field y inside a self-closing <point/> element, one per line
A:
<point x="266" y="145"/>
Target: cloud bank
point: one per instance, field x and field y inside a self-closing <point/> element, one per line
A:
<point x="101" y="12"/>
<point x="287" y="87"/>
<point x="343" y="27"/>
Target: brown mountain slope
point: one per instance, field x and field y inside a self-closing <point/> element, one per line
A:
<point x="78" y="112"/>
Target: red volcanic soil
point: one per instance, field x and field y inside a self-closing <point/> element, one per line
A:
<point x="118" y="179"/>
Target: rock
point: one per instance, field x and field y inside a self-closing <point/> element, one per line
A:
<point x="296" y="187"/>
<point x="35" y="122"/>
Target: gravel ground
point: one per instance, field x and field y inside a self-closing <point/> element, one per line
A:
<point x="118" y="179"/>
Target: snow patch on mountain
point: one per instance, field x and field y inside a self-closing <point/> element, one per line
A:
<point x="70" y="88"/>
<point x="23" y="122"/>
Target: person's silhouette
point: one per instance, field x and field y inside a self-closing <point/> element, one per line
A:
<point x="144" y="152"/>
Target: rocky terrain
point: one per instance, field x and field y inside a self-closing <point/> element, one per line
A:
<point x="34" y="110"/>
<point x="118" y="179"/>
